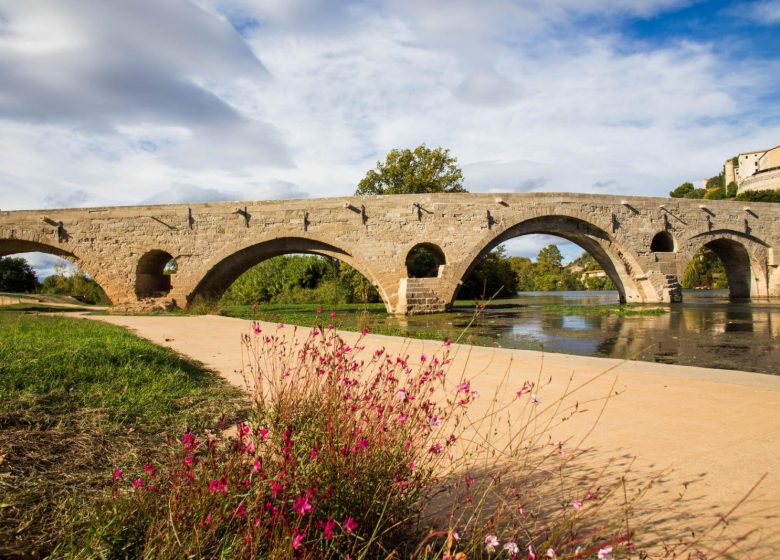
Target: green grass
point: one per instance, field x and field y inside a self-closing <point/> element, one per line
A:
<point x="77" y="399"/>
<point x="603" y="310"/>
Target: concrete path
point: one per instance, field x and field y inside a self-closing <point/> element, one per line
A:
<point x="707" y="434"/>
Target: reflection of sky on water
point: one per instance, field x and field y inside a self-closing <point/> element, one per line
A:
<point x="706" y="330"/>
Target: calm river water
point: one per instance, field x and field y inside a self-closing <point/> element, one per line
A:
<point x="706" y="330"/>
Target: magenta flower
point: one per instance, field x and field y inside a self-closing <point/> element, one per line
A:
<point x="149" y="469"/>
<point x="116" y="475"/>
<point x="138" y="483"/>
<point x="576" y="504"/>
<point x="302" y="505"/>
<point x="423" y="358"/>
<point x="330" y="525"/>
<point x="435" y="449"/>
<point x="296" y="541"/>
<point x="263" y="433"/>
<point x="464" y="387"/>
<point x="189" y="460"/>
<point x="605" y="553"/>
<point x="350" y="524"/>
<point x="218" y="486"/>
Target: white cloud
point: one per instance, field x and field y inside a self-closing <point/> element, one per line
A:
<point x="163" y="100"/>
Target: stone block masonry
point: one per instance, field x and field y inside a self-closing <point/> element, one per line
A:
<point x="642" y="243"/>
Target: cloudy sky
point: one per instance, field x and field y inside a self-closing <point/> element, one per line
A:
<point x="137" y="101"/>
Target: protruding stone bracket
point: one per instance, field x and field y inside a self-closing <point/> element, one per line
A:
<point x="491" y="221"/>
<point x="159" y="221"/>
<point x="243" y="213"/>
<point x="62" y="234"/>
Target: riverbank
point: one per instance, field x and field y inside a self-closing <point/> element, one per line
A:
<point x="706" y="434"/>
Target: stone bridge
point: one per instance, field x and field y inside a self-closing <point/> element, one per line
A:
<point x="643" y="244"/>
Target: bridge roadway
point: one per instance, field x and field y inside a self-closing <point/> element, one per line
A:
<point x="643" y="244"/>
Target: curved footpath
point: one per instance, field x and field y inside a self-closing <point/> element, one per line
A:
<point x="705" y="433"/>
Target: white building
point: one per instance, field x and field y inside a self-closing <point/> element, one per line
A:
<point x="756" y="170"/>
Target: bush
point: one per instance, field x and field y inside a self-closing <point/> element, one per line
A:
<point x="345" y="456"/>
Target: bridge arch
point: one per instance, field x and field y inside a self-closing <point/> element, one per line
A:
<point x="424" y="260"/>
<point x="618" y="263"/>
<point x="743" y="256"/>
<point x="231" y="263"/>
<point x="20" y="246"/>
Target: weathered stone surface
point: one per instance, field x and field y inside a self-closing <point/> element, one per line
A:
<point x="126" y="248"/>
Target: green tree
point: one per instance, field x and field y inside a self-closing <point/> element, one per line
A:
<point x="75" y="284"/>
<point x="423" y="170"/>
<point x="16" y="275"/>
<point x="759" y="196"/>
<point x="731" y="190"/>
<point x="682" y="190"/>
<point x="493" y="274"/>
<point x="524" y="270"/>
<point x="549" y="257"/>
<point x="704" y="271"/>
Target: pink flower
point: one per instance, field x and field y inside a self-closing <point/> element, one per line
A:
<point x="350" y="524"/>
<point x="263" y="433"/>
<point x="296" y="541"/>
<point x="302" y="505"/>
<point x="218" y="486"/>
<point x="605" y="553"/>
<point x="138" y="483"/>
<point x="511" y="548"/>
<point x="241" y="510"/>
<point x="276" y="487"/>
<point x="330" y="524"/>
<point x="243" y="429"/>
<point x="423" y="358"/>
<point x="116" y="475"/>
<point x="362" y="444"/>
<point x="455" y="536"/>
<point x="256" y="466"/>
<point x="435" y="449"/>
<point x="256" y="328"/>
<point x="536" y="401"/>
<point x="434" y="422"/>
<point x="332" y="314"/>
<point x="401" y="395"/>
<point x="491" y="542"/>
<point x="207" y="520"/>
<point x="318" y="311"/>
<point x="189" y="460"/>
<point x="364" y="331"/>
<point x="464" y="387"/>
<point x="591" y="496"/>
<point x="447" y="343"/>
<point x="531" y="553"/>
<point x="576" y="504"/>
<point x="189" y="441"/>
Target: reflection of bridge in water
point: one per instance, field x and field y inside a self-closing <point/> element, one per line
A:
<point x="643" y="244"/>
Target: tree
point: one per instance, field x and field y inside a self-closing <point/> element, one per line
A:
<point x="687" y="190"/>
<point x="16" y="275"/>
<point x="731" y="189"/>
<point x="759" y="196"/>
<point x="420" y="171"/>
<point x="492" y="275"/>
<point x="549" y="257"/>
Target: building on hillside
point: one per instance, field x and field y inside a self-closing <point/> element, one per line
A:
<point x="756" y="170"/>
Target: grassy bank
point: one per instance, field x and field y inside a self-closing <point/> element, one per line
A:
<point x="77" y="399"/>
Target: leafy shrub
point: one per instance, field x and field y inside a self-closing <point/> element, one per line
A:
<point x="375" y="457"/>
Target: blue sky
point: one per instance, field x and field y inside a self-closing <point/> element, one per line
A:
<point x="197" y="100"/>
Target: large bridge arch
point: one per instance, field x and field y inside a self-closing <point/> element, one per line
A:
<point x="744" y="258"/>
<point x="86" y="265"/>
<point x="618" y="262"/>
<point x="221" y="271"/>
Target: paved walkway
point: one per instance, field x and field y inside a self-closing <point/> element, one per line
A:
<point x="708" y="434"/>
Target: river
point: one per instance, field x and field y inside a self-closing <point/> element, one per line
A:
<point x="706" y="330"/>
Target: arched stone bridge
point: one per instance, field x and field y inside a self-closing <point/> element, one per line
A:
<point x="643" y="244"/>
